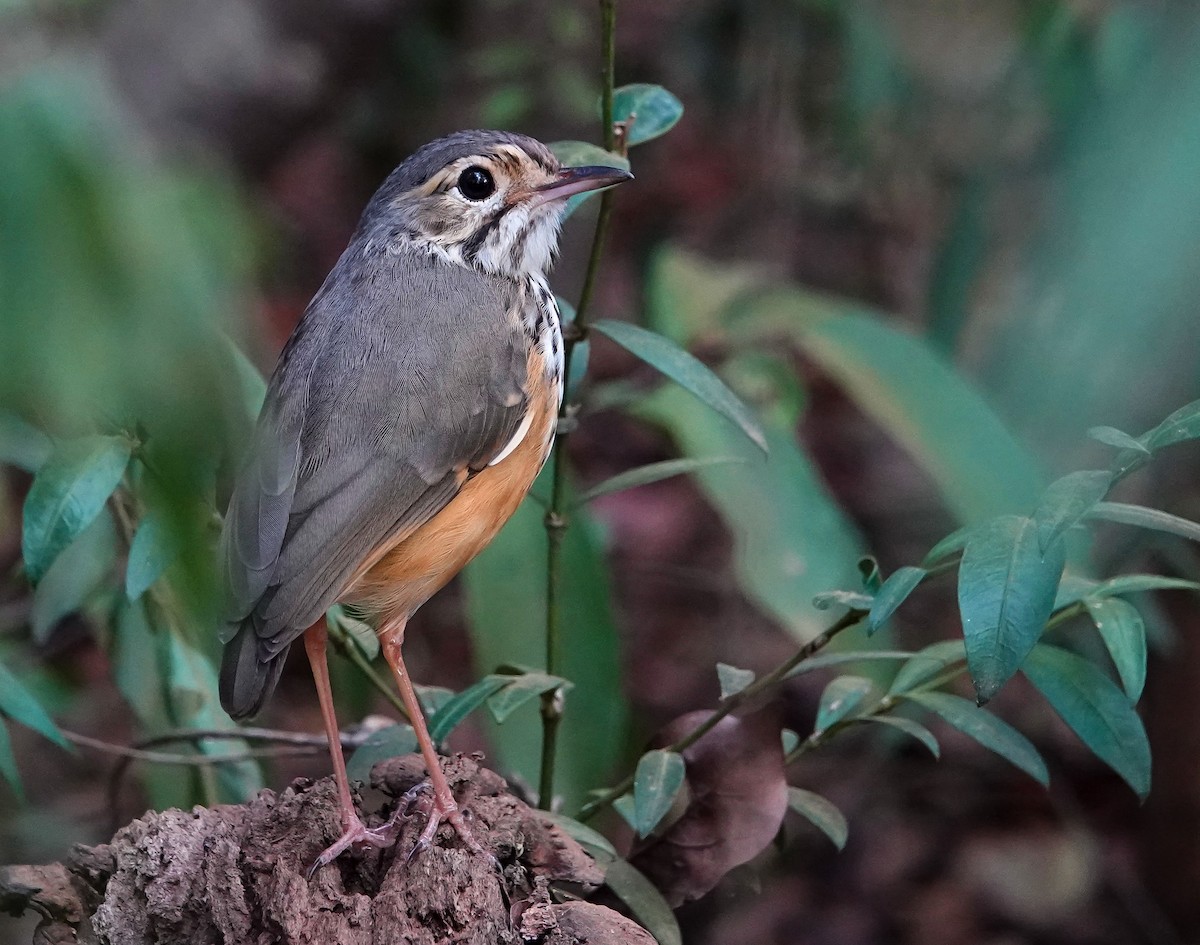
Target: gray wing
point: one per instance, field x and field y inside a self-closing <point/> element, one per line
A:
<point x="398" y="377"/>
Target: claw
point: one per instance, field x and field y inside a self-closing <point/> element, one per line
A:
<point x="356" y="832"/>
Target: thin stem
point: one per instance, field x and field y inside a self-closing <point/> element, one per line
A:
<point x="733" y="702"/>
<point x="556" y="513"/>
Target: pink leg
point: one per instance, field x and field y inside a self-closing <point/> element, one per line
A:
<point x="355" y="830"/>
<point x="444" y="806"/>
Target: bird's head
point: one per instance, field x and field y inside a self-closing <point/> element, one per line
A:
<point x="490" y="200"/>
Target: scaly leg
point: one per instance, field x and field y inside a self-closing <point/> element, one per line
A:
<point x="444" y="806"/>
<point x="355" y="830"/>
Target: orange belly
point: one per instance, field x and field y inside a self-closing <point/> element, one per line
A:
<point x="420" y="564"/>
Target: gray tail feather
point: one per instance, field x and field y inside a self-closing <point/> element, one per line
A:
<point x="246" y="681"/>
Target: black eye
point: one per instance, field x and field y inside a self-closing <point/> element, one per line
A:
<point x="476" y="184"/>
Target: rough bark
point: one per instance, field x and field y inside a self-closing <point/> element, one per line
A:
<point x="239" y="874"/>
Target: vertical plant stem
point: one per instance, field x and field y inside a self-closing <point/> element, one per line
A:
<point x="556" y="515"/>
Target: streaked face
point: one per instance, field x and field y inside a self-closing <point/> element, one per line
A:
<point x="490" y="210"/>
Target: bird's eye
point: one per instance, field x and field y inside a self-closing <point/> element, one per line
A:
<point x="476" y="184"/>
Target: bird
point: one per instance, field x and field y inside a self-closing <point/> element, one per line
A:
<point x="408" y="415"/>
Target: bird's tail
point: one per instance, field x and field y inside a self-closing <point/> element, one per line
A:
<point x="247" y="681"/>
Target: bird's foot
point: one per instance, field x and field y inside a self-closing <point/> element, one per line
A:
<point x="356" y="832"/>
<point x="438" y="810"/>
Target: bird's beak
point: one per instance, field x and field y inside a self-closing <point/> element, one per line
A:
<point x="577" y="180"/>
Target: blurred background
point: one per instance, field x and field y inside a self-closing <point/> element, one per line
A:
<point x="931" y="242"/>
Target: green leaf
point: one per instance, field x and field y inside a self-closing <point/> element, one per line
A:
<point x="151" y="552"/>
<point x="916" y="396"/>
<point x="928" y="664"/>
<point x="872" y="578"/>
<point x="654" y="472"/>
<point x="1124" y="634"/>
<point x="653" y="109"/>
<point x="909" y="727"/>
<point x="825" y="660"/>
<point x="8" y="763"/>
<point x="1067" y="500"/>
<point x="985" y="728"/>
<point x="952" y="544"/>
<point x="1006" y="590"/>
<point x="520" y="690"/>
<point x="506" y="599"/>
<point x="892" y="594"/>
<point x="134" y="652"/>
<point x="1142" y="517"/>
<point x="1078" y="588"/>
<point x="791" y="538"/>
<point x="390" y="742"/>
<point x="358" y="632"/>
<point x="1096" y="710"/>
<point x="840" y="698"/>
<point x="852" y="600"/>
<point x="67" y="494"/>
<point x="19" y="704"/>
<point x="623" y="805"/>
<point x="594" y="843"/>
<point x="21" y="444"/>
<point x="821" y="814"/>
<point x="732" y="679"/>
<point x="1111" y="436"/>
<point x="656" y="782"/>
<point x="790" y="741"/>
<point x="76" y="574"/>
<point x="251" y="385"/>
<point x="644" y="901"/>
<point x="1183" y="424"/>
<point x="687" y="371"/>
<point x="583" y="154"/>
<point x="460" y="706"/>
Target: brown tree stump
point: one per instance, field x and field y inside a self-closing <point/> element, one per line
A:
<point x="239" y="874"/>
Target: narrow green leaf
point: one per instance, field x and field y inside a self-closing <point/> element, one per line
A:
<point x="825" y="660"/>
<point x="1124" y="633"/>
<point x="840" y="698"/>
<point x="1111" y="436"/>
<point x="687" y="371"/>
<point x="821" y="814"/>
<point x="1096" y="710"/>
<point x="654" y="472"/>
<point x="1078" y="588"/>
<point x="390" y="742"/>
<point x="594" y="843"/>
<point x="952" y="544"/>
<point x="644" y="901"/>
<point x="790" y="741"/>
<point x="909" y="727"/>
<point x="22" y="444"/>
<point x="656" y="781"/>
<point x="67" y="494"/>
<point x="251" y="385"/>
<point x="653" y="109"/>
<point x="1183" y="424"/>
<point x="791" y="538"/>
<point x="358" y="632"/>
<point x="623" y="805"/>
<point x="1067" y="500"/>
<point x="733" y="679"/>
<point x="463" y="704"/>
<point x="76" y="574"/>
<point x="8" y="763"/>
<point x="1006" y="591"/>
<point x="852" y="600"/>
<point x="1154" y="519"/>
<point x="520" y="690"/>
<point x="928" y="664"/>
<point x="892" y="594"/>
<point x="19" y="704"/>
<point x="134" y="652"/>
<point x="151" y="552"/>
<point x="985" y="728"/>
